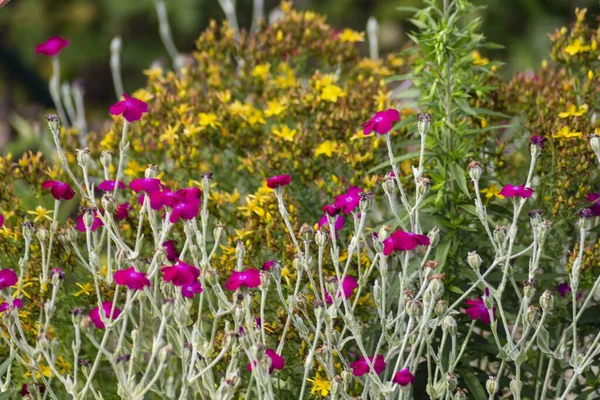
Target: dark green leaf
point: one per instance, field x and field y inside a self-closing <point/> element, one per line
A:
<point x="459" y="175"/>
<point x="476" y="390"/>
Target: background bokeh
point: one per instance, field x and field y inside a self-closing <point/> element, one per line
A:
<point x="521" y="26"/>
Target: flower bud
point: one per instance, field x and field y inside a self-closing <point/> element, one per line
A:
<point x="164" y="353"/>
<point x="337" y="384"/>
<point x="88" y="218"/>
<point x="366" y="199"/>
<point x="106" y="158"/>
<point x="321" y="238"/>
<point x="423" y="122"/>
<point x="491" y="386"/>
<point x="218" y="231"/>
<point x="515" y="387"/>
<point x="151" y="171"/>
<point x="531" y="314"/>
<point x="388" y="185"/>
<point x="547" y="300"/>
<point x="109" y="203"/>
<point x="240" y="250"/>
<point x="544" y="227"/>
<point x="423" y="186"/>
<point x="449" y="324"/>
<point x="413" y="308"/>
<point x="434" y="236"/>
<point x="28" y="229"/>
<point x="474" y="260"/>
<point x="440" y="308"/>
<point x="83" y="157"/>
<point x="586" y="218"/>
<point x="57" y="275"/>
<point x="53" y="123"/>
<point x="331" y="284"/>
<point x="384" y="232"/>
<point x="451" y="381"/>
<point x="474" y="169"/>
<point x="460" y="394"/>
<point x="42" y="235"/>
<point x="535" y="217"/>
<point x="500" y="234"/>
<point x="259" y="351"/>
<point x="529" y="288"/>
<point x="436" y="287"/>
<point x="307" y="232"/>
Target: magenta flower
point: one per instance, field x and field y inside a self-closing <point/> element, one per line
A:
<point x="16" y="303"/>
<point x="249" y="278"/>
<point x="382" y="122"/>
<point x="331" y="209"/>
<point x="277" y="361"/>
<point x="538" y="141"/>
<point x="339" y="223"/>
<point x="59" y="190"/>
<point x="594" y="208"/>
<point x="180" y="274"/>
<point x="131" y="278"/>
<point x="361" y="367"/>
<point x="95" y="225"/>
<point x="404" y="241"/>
<point x="171" y="251"/>
<point x="404" y="377"/>
<point x="269" y="264"/>
<point x="479" y="310"/>
<point x="279" y="180"/>
<point x="1" y="220"/>
<point x="8" y="278"/>
<point x="58" y="272"/>
<point x="165" y="198"/>
<point x="122" y="211"/>
<point x="106" y="308"/>
<point x="130" y="108"/>
<point x="148" y="185"/>
<point x="190" y="289"/>
<point x="348" y="201"/>
<point x="348" y="285"/>
<point x="189" y="195"/>
<point x="109" y="186"/>
<point x="52" y="46"/>
<point x="185" y="211"/>
<point x="563" y="289"/>
<point x="516" y="191"/>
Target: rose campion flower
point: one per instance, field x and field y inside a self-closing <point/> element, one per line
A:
<point x="1" y="220"/>
<point x="269" y="264"/>
<point x="348" y="201"/>
<point x="277" y="361"/>
<point x="58" y="272"/>
<point x="478" y="310"/>
<point x="190" y="289"/>
<point x="95" y="225"/>
<point x="538" y="141"/>
<point x="403" y="241"/>
<point x="404" y="377"/>
<point x="106" y="308"/>
<point x="165" y="198"/>
<point x="249" y="278"/>
<point x="382" y="122"/>
<point x="16" y="303"/>
<point x="180" y="274"/>
<point x="122" y="211"/>
<point x="187" y="211"/>
<point x="516" y="191"/>
<point x="8" y="278"/>
<point x="331" y="209"/>
<point x="59" y="190"/>
<point x="170" y="250"/>
<point x="52" y="46"/>
<point x="595" y="207"/>
<point x="279" y="180"/>
<point x="147" y="185"/>
<point x="189" y="194"/>
<point x="348" y="285"/>
<point x="131" y="278"/>
<point x="361" y="367"/>
<point x="131" y="108"/>
<point x="109" y="186"/>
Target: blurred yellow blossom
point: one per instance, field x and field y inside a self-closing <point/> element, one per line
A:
<point x="326" y="148"/>
<point x="208" y="119"/>
<point x="331" y="93"/>
<point x="40" y="214"/>
<point x="261" y="71"/>
<point x="574" y="111"/>
<point x="566" y="133"/>
<point x="86" y="289"/>
<point x="478" y="59"/>
<point x="492" y="191"/>
<point x="577" y="46"/>
<point x="320" y="386"/>
<point x="285" y="133"/>
<point x="348" y="35"/>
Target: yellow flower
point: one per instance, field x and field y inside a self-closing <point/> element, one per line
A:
<point x="134" y="168"/>
<point x="285" y="133"/>
<point x="45" y="370"/>
<point x="492" y="191"/>
<point x="153" y="73"/>
<point x="62" y="365"/>
<point x="86" y="289"/>
<point x="578" y="46"/>
<point x="565" y="133"/>
<point x="170" y="135"/>
<point x="573" y="111"/>
<point x="321" y="386"/>
<point x="274" y="107"/>
<point x="209" y="119"/>
<point x="41" y="213"/>
<point x="381" y="99"/>
<point x="331" y="93"/>
<point x="484" y="123"/>
<point x="478" y="60"/>
<point x="261" y="71"/>
<point x="23" y="292"/>
<point x="327" y="148"/>
<point x="287" y="274"/>
<point x="348" y="35"/>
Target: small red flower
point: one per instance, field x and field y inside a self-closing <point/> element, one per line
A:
<point x="404" y="241"/>
<point x="361" y="367"/>
<point x="130" y="108"/>
<point x="171" y="251"/>
<point x="147" y="185"/>
<point x="52" y="46"/>
<point x="190" y="289"/>
<point x="106" y="308"/>
<point x="277" y="361"/>
<point x="348" y="285"/>
<point x="478" y="310"/>
<point x="249" y="278"/>
<point x="109" y="186"/>
<point x="131" y="278"/>
<point x="187" y="211"/>
<point x="382" y="122"/>
<point x="279" y="180"/>
<point x="348" y="201"/>
<point x="16" y="303"/>
<point x="8" y="278"/>
<point x="59" y="190"/>
<point x="122" y="211"/>
<point x="516" y="191"/>
<point x="95" y="225"/>
<point x="404" y="377"/>
<point x="180" y="274"/>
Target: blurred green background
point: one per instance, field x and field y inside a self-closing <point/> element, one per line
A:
<point x="522" y="26"/>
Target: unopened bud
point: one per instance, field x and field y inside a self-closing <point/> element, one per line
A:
<point x="434" y="236"/>
<point x="547" y="300"/>
<point x="83" y="157"/>
<point x="109" y="203"/>
<point x="474" y="169"/>
<point x="88" y="218"/>
<point x="307" y="232"/>
<point x="474" y="260"/>
<point x="366" y="199"/>
<point x="42" y="235"/>
<point x="151" y="171"/>
<point x="529" y="288"/>
<point x="515" y="386"/>
<point x="53" y="123"/>
<point x="491" y="386"/>
<point x="449" y="324"/>
<point x="413" y="308"/>
<point x="106" y="158"/>
<point x="423" y="186"/>
<point x="321" y="238"/>
<point x="500" y="234"/>
<point x="423" y="122"/>
<point x="164" y="353"/>
<point x="461" y="394"/>
<point x="451" y="381"/>
<point x="389" y="187"/>
<point x="28" y="229"/>
<point x="586" y="218"/>
<point x="531" y="314"/>
<point x="440" y="308"/>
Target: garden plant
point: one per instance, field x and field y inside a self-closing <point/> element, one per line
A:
<point x="275" y="216"/>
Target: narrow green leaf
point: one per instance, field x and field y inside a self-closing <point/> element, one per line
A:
<point x="543" y="340"/>
<point x="461" y="180"/>
<point x="408" y="156"/>
<point x="441" y="253"/>
<point x="475" y="388"/>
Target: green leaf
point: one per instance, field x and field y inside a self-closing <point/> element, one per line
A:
<point x="441" y="253"/>
<point x="459" y="175"/>
<point x="4" y="366"/>
<point x="543" y="340"/>
<point x="408" y="156"/>
<point x="475" y="388"/>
